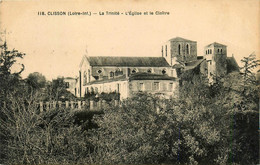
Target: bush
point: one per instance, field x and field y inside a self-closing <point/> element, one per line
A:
<point x="46" y="138"/>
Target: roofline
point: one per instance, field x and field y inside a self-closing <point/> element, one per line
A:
<point x="215" y="43"/>
<point x="172" y="39"/>
<point x="87" y="57"/>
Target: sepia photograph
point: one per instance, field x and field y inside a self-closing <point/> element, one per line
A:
<point x="130" y="82"/>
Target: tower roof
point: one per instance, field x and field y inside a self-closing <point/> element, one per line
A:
<point x="215" y="44"/>
<point x="180" y="39"/>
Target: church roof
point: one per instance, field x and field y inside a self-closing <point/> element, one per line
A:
<point x="180" y="39"/>
<point x="215" y="44"/>
<point x="128" y="61"/>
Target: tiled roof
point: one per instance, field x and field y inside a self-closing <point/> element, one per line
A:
<point x="128" y="61"/>
<point x="180" y="39"/>
<point x="215" y="44"/>
<point x="193" y="64"/>
<point x="150" y="76"/>
<point x="121" y="78"/>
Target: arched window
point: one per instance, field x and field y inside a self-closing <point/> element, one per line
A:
<point x="187" y="49"/>
<point x="162" y="50"/>
<point x="88" y="75"/>
<point x="166" y="50"/>
<point x="221" y="51"/>
<point x="210" y="51"/>
<point x="218" y="50"/>
<point x="206" y="52"/>
<point x="179" y="49"/>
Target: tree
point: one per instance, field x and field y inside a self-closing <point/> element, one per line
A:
<point x="9" y="80"/>
<point x="36" y="80"/>
<point x="56" y="90"/>
<point x="249" y="64"/>
<point x="135" y="134"/>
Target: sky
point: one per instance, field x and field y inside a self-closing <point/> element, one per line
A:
<point x="55" y="44"/>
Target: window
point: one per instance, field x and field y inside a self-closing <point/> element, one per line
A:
<point x="221" y="51"/>
<point x="218" y="50"/>
<point x="179" y="49"/>
<point x="166" y="50"/>
<point x="210" y="51"/>
<point x="162" y="50"/>
<point x="170" y="86"/>
<point x="134" y="70"/>
<point x="141" y="87"/>
<point x="187" y="49"/>
<point x="85" y="78"/>
<point x="164" y="71"/>
<point x="88" y="75"/>
<point x="67" y="84"/>
<point x="118" y="72"/>
<point x="111" y="74"/>
<point x="206" y="52"/>
<point x="156" y="86"/>
<point x="99" y="71"/>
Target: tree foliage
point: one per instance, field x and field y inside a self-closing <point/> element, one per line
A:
<point x="9" y="80"/>
<point x="36" y="80"/>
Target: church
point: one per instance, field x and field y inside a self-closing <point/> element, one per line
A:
<point x="155" y="75"/>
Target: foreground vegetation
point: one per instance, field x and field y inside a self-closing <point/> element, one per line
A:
<point x="215" y="124"/>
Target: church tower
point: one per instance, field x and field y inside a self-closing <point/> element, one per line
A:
<point x="179" y="50"/>
<point x="216" y="55"/>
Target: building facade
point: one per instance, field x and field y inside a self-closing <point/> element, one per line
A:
<point x="157" y="75"/>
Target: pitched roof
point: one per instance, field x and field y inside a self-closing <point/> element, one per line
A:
<point x="193" y="64"/>
<point x="150" y="76"/>
<point x="180" y="39"/>
<point x="120" y="78"/>
<point x="215" y="44"/>
<point x="127" y="61"/>
<point x="232" y="65"/>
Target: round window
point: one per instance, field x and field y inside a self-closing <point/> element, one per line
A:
<point x="99" y="71"/>
<point x="163" y="71"/>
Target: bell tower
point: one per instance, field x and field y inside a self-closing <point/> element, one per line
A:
<point x="179" y="50"/>
<point x="216" y="57"/>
